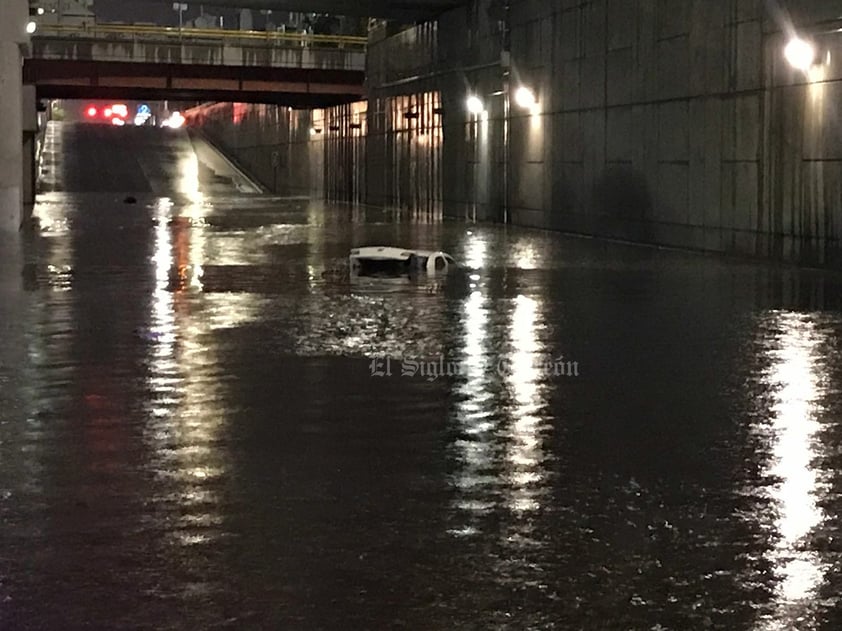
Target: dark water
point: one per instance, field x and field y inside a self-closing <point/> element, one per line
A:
<point x="192" y="435"/>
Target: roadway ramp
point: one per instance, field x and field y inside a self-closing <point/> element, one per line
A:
<point x="99" y="158"/>
<point x="220" y="167"/>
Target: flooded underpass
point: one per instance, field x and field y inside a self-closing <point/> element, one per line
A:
<point x="208" y="423"/>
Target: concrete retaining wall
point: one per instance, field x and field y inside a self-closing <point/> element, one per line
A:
<point x="678" y="122"/>
<point x="272" y="143"/>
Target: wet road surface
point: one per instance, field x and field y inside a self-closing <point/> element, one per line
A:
<point x="198" y="428"/>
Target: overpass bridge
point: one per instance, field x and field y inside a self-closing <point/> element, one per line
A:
<point x="154" y="63"/>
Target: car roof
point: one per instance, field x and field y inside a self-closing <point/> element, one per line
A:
<point x="382" y="251"/>
<point x="394" y="252"/>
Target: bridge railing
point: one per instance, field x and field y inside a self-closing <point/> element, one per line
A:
<point x="152" y="33"/>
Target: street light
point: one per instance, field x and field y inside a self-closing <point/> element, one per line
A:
<point x="181" y="7"/>
<point x="475" y="108"/>
<point x="31" y="27"/>
<point x="525" y="98"/>
<point x="800" y="54"/>
<point x="474" y="105"/>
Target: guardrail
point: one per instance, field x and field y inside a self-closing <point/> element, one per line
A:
<point x="112" y="32"/>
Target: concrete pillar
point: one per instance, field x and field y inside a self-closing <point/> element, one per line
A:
<point x="12" y="38"/>
<point x="11" y="137"/>
<point x="30" y="140"/>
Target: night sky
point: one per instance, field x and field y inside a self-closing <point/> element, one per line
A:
<point x="134" y="11"/>
<point x="131" y="11"/>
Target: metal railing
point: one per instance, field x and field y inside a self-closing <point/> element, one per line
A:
<point x="112" y="32"/>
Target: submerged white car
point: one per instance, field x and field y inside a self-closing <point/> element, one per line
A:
<point x="382" y="259"/>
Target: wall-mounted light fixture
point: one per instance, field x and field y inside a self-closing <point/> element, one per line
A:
<point x="800" y="54"/>
<point x="525" y="98"/>
<point x="474" y="105"/>
<point x="314" y="131"/>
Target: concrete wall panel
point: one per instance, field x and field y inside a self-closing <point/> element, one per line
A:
<point x="673" y="131"/>
<point x="620" y="80"/>
<point x="594" y="32"/>
<point x="528" y="185"/>
<point x="749" y="53"/>
<point x="622" y="24"/>
<point x="673" y="63"/>
<point x="620" y="135"/>
<point x="571" y="144"/>
<point x="673" y="18"/>
<point x="569" y="191"/>
<point x="672" y="202"/>
<point x="570" y="42"/>
<point x="592" y="82"/>
<point x="568" y="86"/>
<point x="749" y="10"/>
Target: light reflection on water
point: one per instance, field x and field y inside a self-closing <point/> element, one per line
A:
<point x="795" y="381"/>
<point x="475" y="251"/>
<point x="525" y="453"/>
<point x="185" y="420"/>
<point x="500" y="463"/>
<point x="476" y="419"/>
<point x="189" y="185"/>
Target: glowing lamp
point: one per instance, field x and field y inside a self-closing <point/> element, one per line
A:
<point x="525" y="98"/>
<point x="474" y="105"/>
<point x="800" y="54"/>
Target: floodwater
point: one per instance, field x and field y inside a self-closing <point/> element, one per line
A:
<point x="199" y="428"/>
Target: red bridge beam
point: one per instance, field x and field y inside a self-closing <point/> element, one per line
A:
<point x="299" y="87"/>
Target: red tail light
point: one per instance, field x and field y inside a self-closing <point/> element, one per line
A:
<point x="91" y="111"/>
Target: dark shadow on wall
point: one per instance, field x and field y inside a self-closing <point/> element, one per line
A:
<point x="622" y="204"/>
<point x="566" y="197"/>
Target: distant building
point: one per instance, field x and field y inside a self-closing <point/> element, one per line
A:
<point x="246" y="20"/>
<point x="207" y="20"/>
<point x="67" y="11"/>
